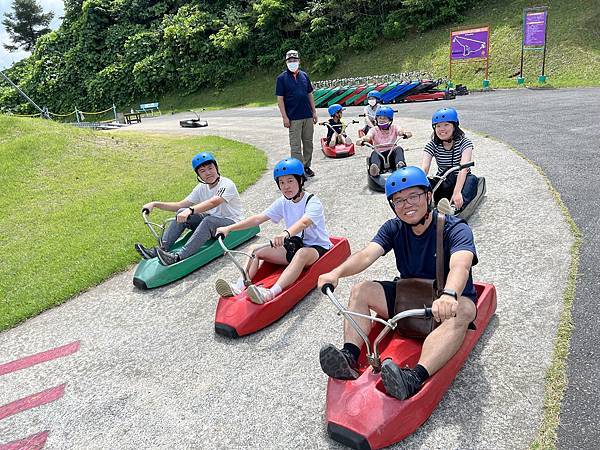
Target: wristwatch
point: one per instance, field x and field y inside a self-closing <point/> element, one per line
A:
<point x="191" y="209"/>
<point x="450" y="292"/>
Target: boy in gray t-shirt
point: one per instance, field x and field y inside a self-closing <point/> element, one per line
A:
<point x="214" y="202"/>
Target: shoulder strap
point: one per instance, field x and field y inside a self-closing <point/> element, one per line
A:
<point x="439" y="253"/>
<point x="307" y="200"/>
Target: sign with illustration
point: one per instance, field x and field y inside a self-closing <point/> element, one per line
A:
<point x="470" y="44"/>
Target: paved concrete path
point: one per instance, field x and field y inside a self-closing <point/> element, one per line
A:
<point x="558" y="130"/>
<point x="152" y="373"/>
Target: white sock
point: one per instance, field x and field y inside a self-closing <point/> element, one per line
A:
<point x="239" y="284"/>
<point x="276" y="290"/>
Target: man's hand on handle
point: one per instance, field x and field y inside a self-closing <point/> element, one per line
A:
<point x="183" y="215"/>
<point x="148" y="207"/>
<point x="444" y="308"/>
<point x="326" y="278"/>
<point x="222" y="230"/>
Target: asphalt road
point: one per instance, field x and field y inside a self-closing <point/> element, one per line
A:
<point x="150" y="371"/>
<point x="556" y="129"/>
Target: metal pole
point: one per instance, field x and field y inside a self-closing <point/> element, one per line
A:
<point x="545" y="42"/>
<point x="76" y="114"/>
<point x="523" y="41"/>
<point x="42" y="112"/>
<point x="115" y="112"/>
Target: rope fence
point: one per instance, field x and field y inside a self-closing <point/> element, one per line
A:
<point x="79" y="115"/>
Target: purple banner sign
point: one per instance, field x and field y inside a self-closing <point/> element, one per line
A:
<point x="469" y="44"/>
<point x="534" y="34"/>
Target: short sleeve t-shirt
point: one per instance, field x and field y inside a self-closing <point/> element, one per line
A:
<point x="381" y="137"/>
<point x="415" y="255"/>
<point x="446" y="159"/>
<point x="370" y="113"/>
<point x="295" y="89"/>
<point x="231" y="208"/>
<point x="291" y="213"/>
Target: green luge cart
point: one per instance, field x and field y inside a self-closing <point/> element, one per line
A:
<point x="150" y="273"/>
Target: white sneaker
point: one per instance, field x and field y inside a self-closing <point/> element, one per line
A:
<point x="444" y="207"/>
<point x="259" y="294"/>
<point x="225" y="289"/>
<point x="374" y="170"/>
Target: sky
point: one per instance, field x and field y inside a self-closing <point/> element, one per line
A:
<point x="6" y="58"/>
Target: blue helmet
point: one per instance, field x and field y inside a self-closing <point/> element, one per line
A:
<point x="375" y="94"/>
<point x="334" y="109"/>
<point x="385" y="111"/>
<point x="444" y="115"/>
<point x="404" y="178"/>
<point x="203" y="158"/>
<point x="288" y="166"/>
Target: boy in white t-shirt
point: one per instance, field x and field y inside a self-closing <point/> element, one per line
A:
<point x="214" y="202"/>
<point x="304" y="219"/>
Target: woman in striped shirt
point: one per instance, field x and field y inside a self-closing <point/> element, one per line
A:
<point x="450" y="147"/>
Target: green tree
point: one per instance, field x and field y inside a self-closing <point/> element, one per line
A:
<point x="26" y="24"/>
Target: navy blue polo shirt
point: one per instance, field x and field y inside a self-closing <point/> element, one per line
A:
<point x="415" y="255"/>
<point x="295" y="90"/>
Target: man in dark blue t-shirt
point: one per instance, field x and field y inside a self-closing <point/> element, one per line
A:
<point x="412" y="237"/>
<point x="296" y="104"/>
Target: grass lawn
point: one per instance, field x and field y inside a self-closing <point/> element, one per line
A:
<point x="573" y="56"/>
<point x="71" y="200"/>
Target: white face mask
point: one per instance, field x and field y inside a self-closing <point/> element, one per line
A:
<point x="293" y="66"/>
<point x="372" y="102"/>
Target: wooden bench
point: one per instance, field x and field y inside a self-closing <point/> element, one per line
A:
<point x="133" y="117"/>
<point x="149" y="108"/>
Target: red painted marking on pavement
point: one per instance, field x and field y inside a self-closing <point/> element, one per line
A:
<point x="38" y="358"/>
<point x="41" y="398"/>
<point x="33" y="442"/>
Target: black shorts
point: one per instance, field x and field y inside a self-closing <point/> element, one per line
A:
<point x="320" y="250"/>
<point x="389" y="289"/>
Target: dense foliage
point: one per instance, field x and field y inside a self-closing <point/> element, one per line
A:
<point x="121" y="50"/>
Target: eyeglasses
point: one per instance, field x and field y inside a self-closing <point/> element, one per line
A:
<point x="412" y="199"/>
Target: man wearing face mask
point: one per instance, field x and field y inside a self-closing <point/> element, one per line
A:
<point x="294" y="93"/>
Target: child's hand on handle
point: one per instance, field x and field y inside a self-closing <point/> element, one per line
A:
<point x="278" y="239"/>
<point x="407" y="135"/>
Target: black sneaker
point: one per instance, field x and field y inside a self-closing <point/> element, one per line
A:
<point x="399" y="383"/>
<point x="146" y="253"/>
<point x="338" y="363"/>
<point x="309" y="173"/>
<point x="167" y="258"/>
